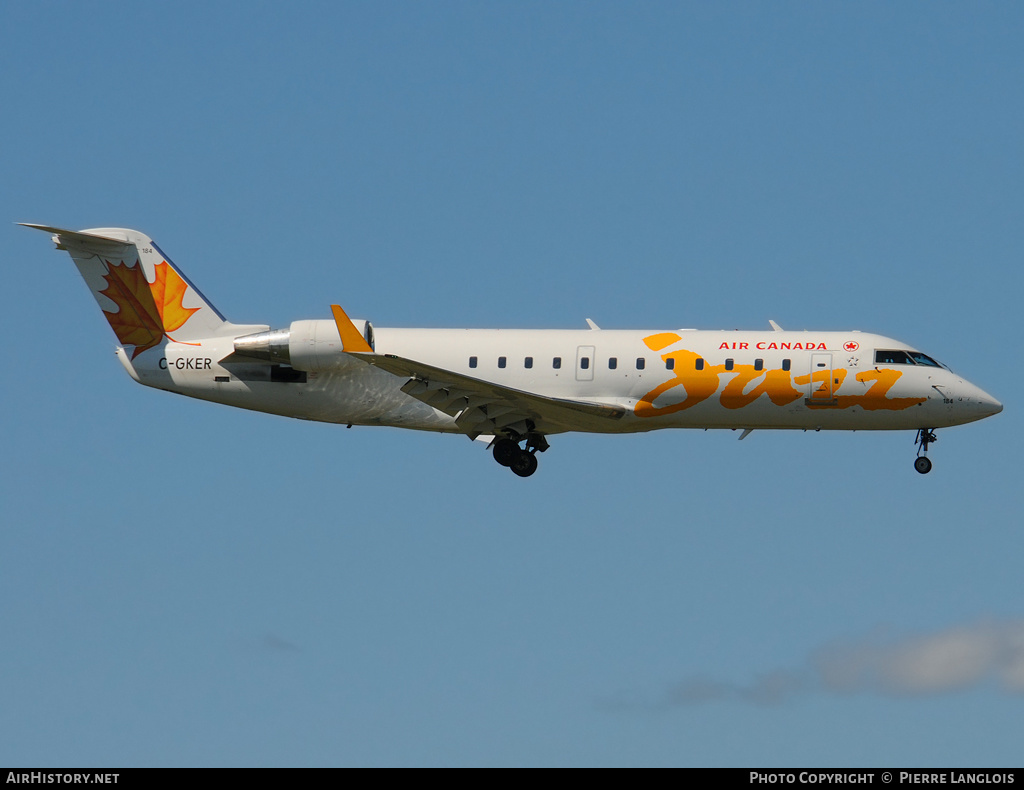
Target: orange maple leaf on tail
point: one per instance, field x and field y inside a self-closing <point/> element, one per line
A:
<point x="146" y="311"/>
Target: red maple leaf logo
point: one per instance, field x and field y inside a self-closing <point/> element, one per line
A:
<point x="147" y="311"/>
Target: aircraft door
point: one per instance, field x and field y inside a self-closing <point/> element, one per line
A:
<point x="820" y="389"/>
<point x="585" y="363"/>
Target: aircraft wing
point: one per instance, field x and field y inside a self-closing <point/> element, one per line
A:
<point x="482" y="407"/>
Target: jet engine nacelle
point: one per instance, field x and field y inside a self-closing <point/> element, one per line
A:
<point x="316" y="345"/>
<point x="306" y="345"/>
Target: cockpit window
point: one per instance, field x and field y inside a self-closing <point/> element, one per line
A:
<point x="923" y="359"/>
<point x="891" y="358"/>
<point x="886" y="357"/>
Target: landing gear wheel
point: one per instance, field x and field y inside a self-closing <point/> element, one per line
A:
<point x="505" y="451"/>
<point x="524" y="464"/>
<point x="925" y="436"/>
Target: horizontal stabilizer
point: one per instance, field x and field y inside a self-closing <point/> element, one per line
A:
<point x="65" y="238"/>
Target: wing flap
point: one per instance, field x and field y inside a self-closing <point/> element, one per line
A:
<point x="485" y="407"/>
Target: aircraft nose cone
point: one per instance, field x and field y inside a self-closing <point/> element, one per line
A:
<point x="985" y="403"/>
<point x="992" y="406"/>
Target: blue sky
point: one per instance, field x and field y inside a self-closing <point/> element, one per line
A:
<point x="183" y="584"/>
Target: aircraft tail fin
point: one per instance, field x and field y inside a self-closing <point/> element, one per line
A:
<point x="145" y="298"/>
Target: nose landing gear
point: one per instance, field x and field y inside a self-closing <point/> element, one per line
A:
<point x="922" y="463"/>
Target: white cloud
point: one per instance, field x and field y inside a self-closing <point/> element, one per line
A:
<point x="956" y="658"/>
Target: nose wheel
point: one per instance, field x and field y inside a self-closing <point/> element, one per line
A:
<point x="922" y="463"/>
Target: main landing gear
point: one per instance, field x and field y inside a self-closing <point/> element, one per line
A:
<point x="922" y="463"/>
<point x="521" y="460"/>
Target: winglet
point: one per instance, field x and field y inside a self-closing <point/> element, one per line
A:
<point x="775" y="326"/>
<point x="592" y="325"/>
<point x="351" y="340"/>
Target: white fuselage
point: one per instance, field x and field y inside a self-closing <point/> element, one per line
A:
<point x="663" y="379"/>
<point x="512" y="387"/>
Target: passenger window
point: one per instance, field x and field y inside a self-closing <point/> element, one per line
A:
<point x="528" y="362"/>
<point x="641" y="363"/>
<point x="758" y="364"/>
<point x="891" y="358"/>
<point x="501" y="362"/>
<point x="613" y="363"/>
<point x="472" y="362"/>
<point x="728" y="364"/>
<point x="786" y="364"/>
<point x="699" y="364"/>
<point x="556" y="363"/>
<point x="670" y="363"/>
<point x="584" y="363"/>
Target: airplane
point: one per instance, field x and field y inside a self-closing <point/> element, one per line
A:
<point x="510" y="388"/>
